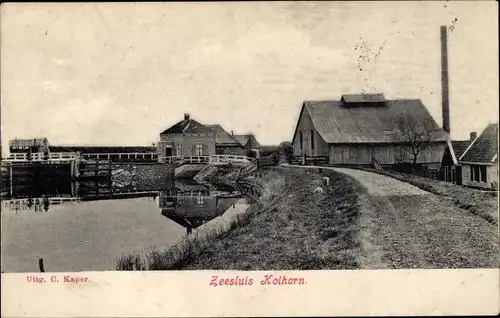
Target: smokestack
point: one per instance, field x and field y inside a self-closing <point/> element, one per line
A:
<point x="444" y="79"/>
<point x="473" y="135"/>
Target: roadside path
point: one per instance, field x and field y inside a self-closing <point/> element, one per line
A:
<point x="403" y="226"/>
<point x="379" y="185"/>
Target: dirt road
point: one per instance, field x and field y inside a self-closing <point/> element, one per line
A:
<point x="402" y="226"/>
<point x="381" y="185"/>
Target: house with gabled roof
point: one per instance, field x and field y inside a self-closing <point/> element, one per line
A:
<point x="225" y="143"/>
<point x="361" y="127"/>
<point x="450" y="169"/>
<point x="248" y="141"/>
<point x="480" y="160"/>
<point x="187" y="138"/>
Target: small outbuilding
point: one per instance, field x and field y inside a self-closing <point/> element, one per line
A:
<point x="480" y="160"/>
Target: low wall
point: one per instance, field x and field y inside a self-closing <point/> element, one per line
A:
<point x="142" y="177"/>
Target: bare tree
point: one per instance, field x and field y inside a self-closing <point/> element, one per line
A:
<point x="413" y="136"/>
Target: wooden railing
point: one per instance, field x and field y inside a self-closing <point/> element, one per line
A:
<point x="122" y="156"/>
<point x="188" y="159"/>
<point x="38" y="156"/>
<point x="206" y="159"/>
<point x="256" y="164"/>
<point x="64" y="156"/>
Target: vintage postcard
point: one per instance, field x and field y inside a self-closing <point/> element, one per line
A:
<point x="249" y="159"/>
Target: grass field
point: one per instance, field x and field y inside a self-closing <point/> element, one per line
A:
<point x="360" y="221"/>
<point x="291" y="228"/>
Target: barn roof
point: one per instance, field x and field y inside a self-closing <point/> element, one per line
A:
<point x="222" y="137"/>
<point x="368" y="124"/>
<point x="363" y="98"/>
<point x="187" y="126"/>
<point x="484" y="149"/>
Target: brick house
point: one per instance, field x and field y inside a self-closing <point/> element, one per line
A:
<point x="185" y="139"/>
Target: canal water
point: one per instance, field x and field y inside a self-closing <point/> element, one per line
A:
<point x="78" y="235"/>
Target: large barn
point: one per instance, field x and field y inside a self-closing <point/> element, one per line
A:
<point x="359" y="128"/>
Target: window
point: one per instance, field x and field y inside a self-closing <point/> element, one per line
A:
<point x="179" y="150"/>
<point x="312" y="139"/>
<point x="483" y="173"/>
<point x="199" y="150"/>
<point x="476" y="173"/>
<point x="301" y="141"/>
<point x="200" y="200"/>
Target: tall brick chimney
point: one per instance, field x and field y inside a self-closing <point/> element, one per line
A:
<point x="445" y="94"/>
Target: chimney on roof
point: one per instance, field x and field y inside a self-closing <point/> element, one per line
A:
<point x="232" y="132"/>
<point x="186" y="116"/>
<point x="444" y="79"/>
<point x="473" y="135"/>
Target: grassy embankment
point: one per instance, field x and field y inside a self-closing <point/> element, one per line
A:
<point x="481" y="203"/>
<point x="290" y="228"/>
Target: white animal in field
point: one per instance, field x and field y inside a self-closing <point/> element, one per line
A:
<point x="326" y="181"/>
<point x="318" y="190"/>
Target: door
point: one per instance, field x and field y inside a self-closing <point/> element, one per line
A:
<point x="168" y="151"/>
<point x="458" y="175"/>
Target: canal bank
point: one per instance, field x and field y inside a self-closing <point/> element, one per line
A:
<point x="291" y="227"/>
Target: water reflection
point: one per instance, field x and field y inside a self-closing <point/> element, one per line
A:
<point x="192" y="205"/>
<point x="187" y="203"/>
<point x="36" y="204"/>
<point x="73" y="231"/>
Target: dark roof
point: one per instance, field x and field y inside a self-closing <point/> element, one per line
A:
<point x="26" y="142"/>
<point x="187" y="126"/>
<point x="459" y="146"/>
<point x="363" y="98"/>
<point x="485" y="148"/>
<point x="338" y="124"/>
<point x="222" y="137"/>
<point x="243" y="139"/>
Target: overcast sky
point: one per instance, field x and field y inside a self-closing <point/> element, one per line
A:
<point x="119" y="74"/>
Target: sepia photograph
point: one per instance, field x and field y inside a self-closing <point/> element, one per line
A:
<point x="279" y="137"/>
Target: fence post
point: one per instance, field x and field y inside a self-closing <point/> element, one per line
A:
<point x="40" y="265"/>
